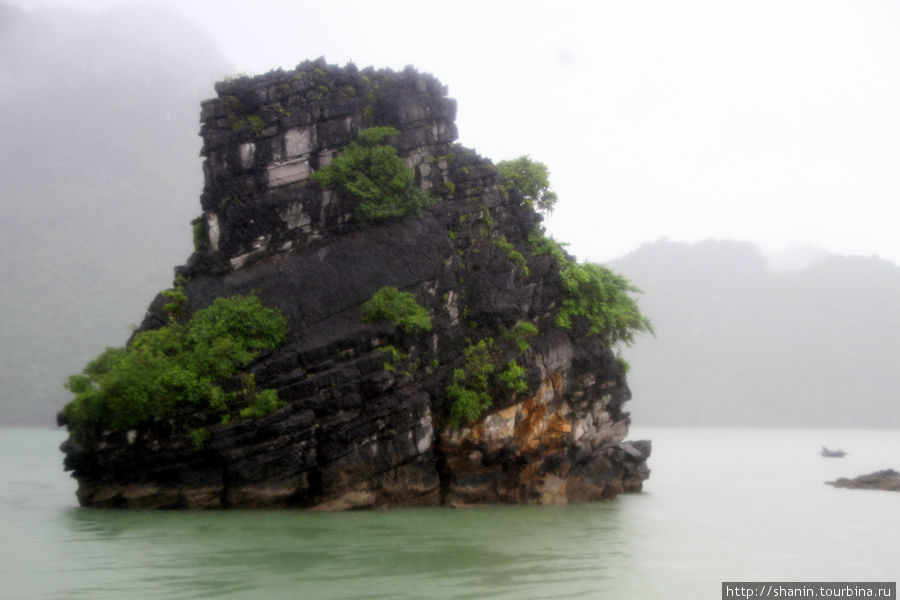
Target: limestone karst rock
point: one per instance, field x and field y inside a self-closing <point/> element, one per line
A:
<point x="367" y="420"/>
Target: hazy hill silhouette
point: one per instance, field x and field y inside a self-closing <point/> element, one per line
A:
<point x="101" y="177"/>
<point x="740" y="344"/>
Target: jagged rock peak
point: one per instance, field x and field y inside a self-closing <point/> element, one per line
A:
<point x="482" y="398"/>
<point x="263" y="136"/>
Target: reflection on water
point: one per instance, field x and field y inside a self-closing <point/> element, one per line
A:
<point x="720" y="505"/>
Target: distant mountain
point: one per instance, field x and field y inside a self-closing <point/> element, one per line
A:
<point x="741" y="344"/>
<point x="794" y="258"/>
<point x="100" y="179"/>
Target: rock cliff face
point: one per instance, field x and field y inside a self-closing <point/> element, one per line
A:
<point x="366" y="421"/>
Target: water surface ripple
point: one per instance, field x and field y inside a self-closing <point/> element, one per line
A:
<point x="720" y="505"/>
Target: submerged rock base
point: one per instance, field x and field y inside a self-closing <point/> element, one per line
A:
<point x="384" y="456"/>
<point x="367" y="417"/>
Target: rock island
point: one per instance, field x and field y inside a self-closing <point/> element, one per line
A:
<point x="373" y="317"/>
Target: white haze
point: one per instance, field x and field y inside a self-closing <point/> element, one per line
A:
<point x="773" y="122"/>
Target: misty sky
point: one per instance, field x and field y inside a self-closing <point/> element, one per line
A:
<point x="773" y="122"/>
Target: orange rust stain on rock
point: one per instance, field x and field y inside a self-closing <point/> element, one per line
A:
<point x="528" y="429"/>
<point x="534" y="428"/>
<point x="555" y="431"/>
<point x="556" y="381"/>
<point x="477" y="432"/>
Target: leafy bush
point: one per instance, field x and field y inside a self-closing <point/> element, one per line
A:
<point x="400" y="308"/>
<point x="372" y="136"/>
<point x="198" y="436"/>
<point x="531" y="179"/>
<point x="372" y="173"/>
<point x="468" y="391"/>
<point x="595" y="296"/>
<point x="513" y="377"/>
<point x="260" y="403"/>
<point x="177" y="368"/>
<point x="177" y="303"/>
<point x="603" y="300"/>
<point x="525" y="329"/>
<point x="544" y="244"/>
<point x="523" y="332"/>
<point x="466" y="404"/>
<point x="257" y="123"/>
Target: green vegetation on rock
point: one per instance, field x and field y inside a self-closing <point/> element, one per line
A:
<point x="521" y="335"/>
<point x="468" y="391"/>
<point x="603" y="301"/>
<point x="512" y="254"/>
<point x="180" y="368"/>
<point x="400" y="308"/>
<point x="393" y="356"/>
<point x="531" y="179"/>
<point x="513" y="377"/>
<point x="371" y="172"/>
<point x="201" y="241"/>
<point x="597" y="300"/>
<point x="177" y="302"/>
<point x="256" y="123"/>
<point x="259" y="402"/>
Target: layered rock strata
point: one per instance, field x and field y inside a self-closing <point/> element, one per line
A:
<point x="360" y="428"/>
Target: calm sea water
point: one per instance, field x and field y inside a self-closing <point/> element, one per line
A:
<point x="733" y="505"/>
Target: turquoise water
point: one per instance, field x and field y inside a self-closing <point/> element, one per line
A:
<point x="735" y="505"/>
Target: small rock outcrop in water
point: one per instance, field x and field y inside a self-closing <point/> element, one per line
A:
<point x="367" y="419"/>
<point x="888" y="479"/>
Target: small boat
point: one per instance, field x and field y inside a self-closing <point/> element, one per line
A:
<point x="832" y="453"/>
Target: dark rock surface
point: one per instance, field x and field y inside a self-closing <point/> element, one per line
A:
<point x="888" y="479"/>
<point x="359" y="431"/>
